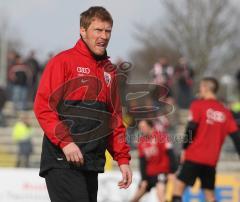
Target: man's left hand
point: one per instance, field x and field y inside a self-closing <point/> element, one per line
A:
<point x="126" y="176"/>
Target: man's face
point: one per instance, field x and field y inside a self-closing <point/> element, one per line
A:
<point x="144" y="128"/>
<point x="97" y="36"/>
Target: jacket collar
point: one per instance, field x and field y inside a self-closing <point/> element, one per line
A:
<point x="82" y="47"/>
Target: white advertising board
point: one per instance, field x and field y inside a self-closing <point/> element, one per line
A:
<point x="24" y="185"/>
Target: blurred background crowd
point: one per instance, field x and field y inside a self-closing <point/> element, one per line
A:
<point x="16" y="101"/>
<point x="23" y="133"/>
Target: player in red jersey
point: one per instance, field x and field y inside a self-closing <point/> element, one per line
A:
<point x="209" y="123"/>
<point x="156" y="160"/>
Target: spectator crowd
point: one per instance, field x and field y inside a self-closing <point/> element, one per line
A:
<point x="23" y="75"/>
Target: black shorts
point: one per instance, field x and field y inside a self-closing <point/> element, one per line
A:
<point x="72" y="185"/>
<point x="190" y="171"/>
<point x="153" y="180"/>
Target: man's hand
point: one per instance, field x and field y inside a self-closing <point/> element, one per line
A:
<point x="126" y="176"/>
<point x="73" y="154"/>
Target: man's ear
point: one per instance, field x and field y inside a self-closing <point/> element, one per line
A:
<point x="83" y="32"/>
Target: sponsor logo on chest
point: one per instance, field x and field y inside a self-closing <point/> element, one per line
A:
<point x="214" y="116"/>
<point x="83" y="70"/>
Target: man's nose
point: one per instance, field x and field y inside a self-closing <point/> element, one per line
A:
<point x="104" y="35"/>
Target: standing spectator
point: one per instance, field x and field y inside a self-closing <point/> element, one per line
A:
<point x="35" y="69"/>
<point x="11" y="58"/>
<point x="3" y="99"/>
<point x="22" y="136"/>
<point x="20" y="75"/>
<point x="162" y="72"/>
<point x="11" y="61"/>
<point x="183" y="78"/>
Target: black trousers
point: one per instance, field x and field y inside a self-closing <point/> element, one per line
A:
<point x="72" y="185"/>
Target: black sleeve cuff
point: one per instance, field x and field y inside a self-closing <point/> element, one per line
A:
<point x="189" y="134"/>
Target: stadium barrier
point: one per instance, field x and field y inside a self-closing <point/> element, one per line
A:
<point x="24" y="185"/>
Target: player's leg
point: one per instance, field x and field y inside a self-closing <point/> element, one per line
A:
<point x="66" y="185"/>
<point x="207" y="177"/>
<point x="161" y="187"/>
<point x="178" y="190"/>
<point x="209" y="195"/>
<point x="92" y="185"/>
<point x="142" y="188"/>
<point x="187" y="175"/>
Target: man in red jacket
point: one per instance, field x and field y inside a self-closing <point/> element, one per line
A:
<point x="79" y="110"/>
<point x="209" y="124"/>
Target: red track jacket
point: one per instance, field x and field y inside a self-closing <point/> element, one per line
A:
<point x="77" y="100"/>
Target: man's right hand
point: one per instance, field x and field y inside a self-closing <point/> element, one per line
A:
<point x="73" y="154"/>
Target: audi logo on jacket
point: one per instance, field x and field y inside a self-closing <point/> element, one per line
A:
<point x="77" y="101"/>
